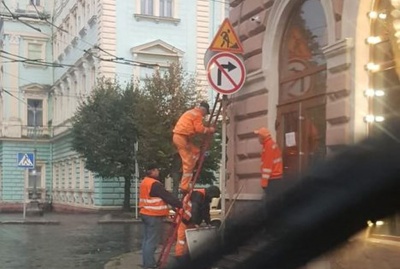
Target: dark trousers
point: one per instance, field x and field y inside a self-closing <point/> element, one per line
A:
<point x="151" y="238"/>
<point x="275" y="189"/>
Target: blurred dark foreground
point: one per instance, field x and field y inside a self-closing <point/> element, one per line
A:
<point x="329" y="205"/>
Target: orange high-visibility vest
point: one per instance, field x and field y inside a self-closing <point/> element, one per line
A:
<point x="190" y="123"/>
<point x="271" y="162"/>
<point x="187" y="207"/>
<point x="151" y="206"/>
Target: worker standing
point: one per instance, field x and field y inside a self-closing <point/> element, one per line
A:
<point x="271" y="164"/>
<point x="195" y="212"/>
<point x="188" y="125"/>
<point x="153" y="209"/>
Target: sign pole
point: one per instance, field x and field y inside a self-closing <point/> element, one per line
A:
<point x="136" y="180"/>
<point x="223" y="157"/>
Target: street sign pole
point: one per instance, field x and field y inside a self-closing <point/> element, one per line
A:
<point x="136" y="180"/>
<point x="222" y="181"/>
<point x="226" y="74"/>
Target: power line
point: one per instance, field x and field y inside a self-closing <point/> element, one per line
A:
<point x="32" y="61"/>
<point x="16" y="97"/>
<point x="43" y="17"/>
<point x="83" y="95"/>
<point x="115" y="59"/>
<point x="16" y="17"/>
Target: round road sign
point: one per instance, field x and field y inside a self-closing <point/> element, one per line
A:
<point x="226" y="73"/>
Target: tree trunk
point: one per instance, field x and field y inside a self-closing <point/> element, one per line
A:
<point x="176" y="179"/>
<point x="127" y="195"/>
<point x="176" y="172"/>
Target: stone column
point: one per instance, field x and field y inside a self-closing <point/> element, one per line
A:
<point x="14" y="108"/>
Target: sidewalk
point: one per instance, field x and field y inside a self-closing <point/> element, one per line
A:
<point x="357" y="253"/>
<point x="130" y="260"/>
<point x="6" y="219"/>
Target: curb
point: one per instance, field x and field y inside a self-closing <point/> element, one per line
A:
<point x="30" y="222"/>
<point x="118" y="221"/>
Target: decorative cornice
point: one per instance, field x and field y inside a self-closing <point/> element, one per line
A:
<point x="92" y="21"/>
<point x="338" y="55"/>
<point x="83" y="31"/>
<point x="339" y="47"/>
<point x="156" y="19"/>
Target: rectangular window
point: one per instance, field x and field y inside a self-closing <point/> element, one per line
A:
<point x="35" y="2"/>
<point x="35" y="112"/>
<point x="147" y="7"/>
<point x="166" y="8"/>
<point x="35" y="51"/>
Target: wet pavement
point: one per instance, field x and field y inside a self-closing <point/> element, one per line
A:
<point x="77" y="242"/>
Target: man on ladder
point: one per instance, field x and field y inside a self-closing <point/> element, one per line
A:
<point x="188" y="125"/>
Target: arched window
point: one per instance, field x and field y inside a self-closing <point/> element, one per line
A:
<point x="303" y="65"/>
<point x="301" y="122"/>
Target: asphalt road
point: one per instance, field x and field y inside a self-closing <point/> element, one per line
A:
<point x="78" y="242"/>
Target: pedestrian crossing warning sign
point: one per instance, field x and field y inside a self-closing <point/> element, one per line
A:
<point x="26" y="160"/>
<point x="226" y="39"/>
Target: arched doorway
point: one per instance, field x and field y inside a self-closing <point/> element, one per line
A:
<point x="301" y="121"/>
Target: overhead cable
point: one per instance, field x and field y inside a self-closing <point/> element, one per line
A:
<point x="16" y="17"/>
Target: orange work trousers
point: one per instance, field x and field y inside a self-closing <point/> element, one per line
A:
<point x="189" y="154"/>
<point x="181" y="247"/>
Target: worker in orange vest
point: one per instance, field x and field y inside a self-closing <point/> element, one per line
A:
<point x="188" y="125"/>
<point x="271" y="164"/>
<point x="195" y="212"/>
<point x="153" y="200"/>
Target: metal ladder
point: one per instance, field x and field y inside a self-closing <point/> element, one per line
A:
<point x="172" y="232"/>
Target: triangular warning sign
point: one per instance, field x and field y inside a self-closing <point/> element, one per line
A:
<point x="226" y="39"/>
<point x="25" y="161"/>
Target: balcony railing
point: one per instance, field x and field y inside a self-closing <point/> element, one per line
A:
<point x="41" y="132"/>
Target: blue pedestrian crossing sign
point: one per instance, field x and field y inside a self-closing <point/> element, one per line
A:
<point x="26" y="160"/>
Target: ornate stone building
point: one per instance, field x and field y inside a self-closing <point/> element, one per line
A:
<point x="321" y="74"/>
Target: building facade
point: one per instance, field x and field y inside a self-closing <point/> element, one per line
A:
<point x="51" y="58"/>
<point x="321" y="74"/>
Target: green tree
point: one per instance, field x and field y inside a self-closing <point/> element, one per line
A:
<point x="104" y="133"/>
<point x="160" y="101"/>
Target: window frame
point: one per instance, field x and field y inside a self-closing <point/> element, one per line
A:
<point x="305" y="71"/>
<point x="164" y="10"/>
<point x="31" y="109"/>
<point x="42" y="44"/>
<point x="145" y="9"/>
<point x="157" y="15"/>
<point x="35" y="3"/>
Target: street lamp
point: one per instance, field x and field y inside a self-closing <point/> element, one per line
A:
<point x="34" y="208"/>
<point x="34" y="194"/>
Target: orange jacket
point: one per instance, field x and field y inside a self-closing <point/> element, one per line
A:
<point x="190" y="123"/>
<point x="151" y="206"/>
<point x="187" y="207"/>
<point x="271" y="162"/>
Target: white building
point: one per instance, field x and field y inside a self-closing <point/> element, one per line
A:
<point x="81" y="41"/>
